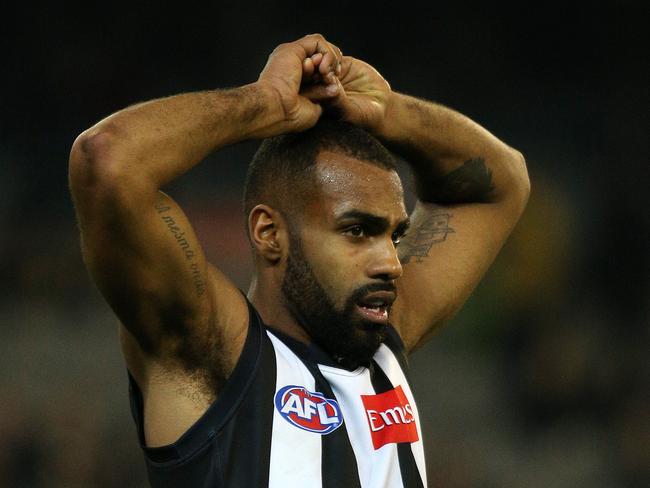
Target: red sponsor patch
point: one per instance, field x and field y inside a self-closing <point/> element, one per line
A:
<point x="390" y="418"/>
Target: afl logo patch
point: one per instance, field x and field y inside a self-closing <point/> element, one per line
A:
<point x="308" y="410"/>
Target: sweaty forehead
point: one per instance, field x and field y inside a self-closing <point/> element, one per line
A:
<point x="344" y="182"/>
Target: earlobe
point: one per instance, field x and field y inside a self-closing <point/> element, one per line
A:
<point x="264" y="225"/>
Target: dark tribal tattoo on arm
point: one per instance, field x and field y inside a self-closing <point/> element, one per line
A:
<point x="179" y="235"/>
<point x="433" y="230"/>
<point x="472" y="182"/>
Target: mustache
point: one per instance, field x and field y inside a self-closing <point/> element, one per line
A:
<point x="360" y="293"/>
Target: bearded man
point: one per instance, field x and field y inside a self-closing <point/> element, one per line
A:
<point x="302" y="380"/>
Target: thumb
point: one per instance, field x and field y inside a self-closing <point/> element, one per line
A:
<point x="321" y="93"/>
<point x="308" y="115"/>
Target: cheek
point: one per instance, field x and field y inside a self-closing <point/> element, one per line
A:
<point x="340" y="272"/>
<point x="336" y="262"/>
<point x="338" y="258"/>
<point x="332" y="276"/>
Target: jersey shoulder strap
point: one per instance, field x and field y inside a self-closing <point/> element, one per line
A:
<point x="396" y="345"/>
<point x="219" y="412"/>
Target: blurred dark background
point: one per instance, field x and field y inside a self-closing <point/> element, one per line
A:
<point x="541" y="381"/>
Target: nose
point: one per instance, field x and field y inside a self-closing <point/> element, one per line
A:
<point x="385" y="263"/>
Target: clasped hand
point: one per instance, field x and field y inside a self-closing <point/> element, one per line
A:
<point x="311" y="75"/>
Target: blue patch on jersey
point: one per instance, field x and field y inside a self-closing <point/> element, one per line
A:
<point x="308" y="410"/>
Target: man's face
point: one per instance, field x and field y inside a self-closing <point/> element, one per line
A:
<point x="340" y="277"/>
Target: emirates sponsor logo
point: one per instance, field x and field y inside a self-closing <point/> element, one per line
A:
<point x="390" y="418"/>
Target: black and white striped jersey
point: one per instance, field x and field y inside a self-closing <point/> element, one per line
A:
<point x="290" y="417"/>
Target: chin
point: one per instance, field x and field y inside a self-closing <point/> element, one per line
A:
<point x="366" y="340"/>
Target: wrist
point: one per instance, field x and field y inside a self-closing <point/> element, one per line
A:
<point x="261" y="112"/>
<point x="281" y="116"/>
<point x="392" y="126"/>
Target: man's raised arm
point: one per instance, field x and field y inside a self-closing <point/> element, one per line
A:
<point x="471" y="188"/>
<point x="137" y="243"/>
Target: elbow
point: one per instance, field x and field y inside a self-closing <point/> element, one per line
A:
<point x="90" y="160"/>
<point x="91" y="145"/>
<point x="520" y="179"/>
<point x="99" y="164"/>
<point x="524" y="178"/>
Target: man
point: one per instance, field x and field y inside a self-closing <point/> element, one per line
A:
<point x="301" y="382"/>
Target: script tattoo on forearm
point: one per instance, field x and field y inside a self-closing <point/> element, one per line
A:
<point x="179" y="235"/>
<point x="472" y="182"/>
<point x="419" y="242"/>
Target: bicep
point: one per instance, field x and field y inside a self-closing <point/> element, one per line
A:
<point x="149" y="265"/>
<point x="444" y="256"/>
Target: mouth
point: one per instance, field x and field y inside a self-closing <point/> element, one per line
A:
<point x="375" y="307"/>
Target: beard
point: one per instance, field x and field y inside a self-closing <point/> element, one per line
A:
<point x="349" y="338"/>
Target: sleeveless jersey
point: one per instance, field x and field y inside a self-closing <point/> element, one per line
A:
<point x="290" y="417"/>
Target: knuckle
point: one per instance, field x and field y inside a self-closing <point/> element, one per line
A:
<point x="278" y="48"/>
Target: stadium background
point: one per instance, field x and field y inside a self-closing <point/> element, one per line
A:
<point x="541" y="381"/>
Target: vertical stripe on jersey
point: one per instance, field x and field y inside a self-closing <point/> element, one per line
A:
<point x="295" y="453"/>
<point x="338" y="460"/>
<point x="396" y="346"/>
<point x="394" y="375"/>
<point x="248" y="434"/>
<point x="408" y="467"/>
<point x="377" y="468"/>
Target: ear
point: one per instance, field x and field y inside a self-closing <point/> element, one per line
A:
<point x="267" y="229"/>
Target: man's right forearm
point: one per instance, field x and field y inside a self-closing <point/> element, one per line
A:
<point x="154" y="142"/>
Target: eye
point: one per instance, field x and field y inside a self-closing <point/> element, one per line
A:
<point x="354" y="231"/>
<point x="397" y="237"/>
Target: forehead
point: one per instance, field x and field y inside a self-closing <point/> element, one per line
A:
<point x="345" y="183"/>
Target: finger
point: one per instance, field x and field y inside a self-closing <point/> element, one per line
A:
<point x="307" y="69"/>
<point x="311" y="112"/>
<point x="337" y="61"/>
<point x="339" y="58"/>
<point x="320" y="92"/>
<point x="338" y="101"/>
<point x="315" y="44"/>
<point x="316" y="110"/>
<point x="328" y="66"/>
<point x="316" y="58"/>
<point x="346" y="64"/>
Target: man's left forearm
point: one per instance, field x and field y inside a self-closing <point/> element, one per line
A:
<point x="454" y="159"/>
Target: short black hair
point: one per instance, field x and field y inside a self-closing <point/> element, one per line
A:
<point x="281" y="172"/>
